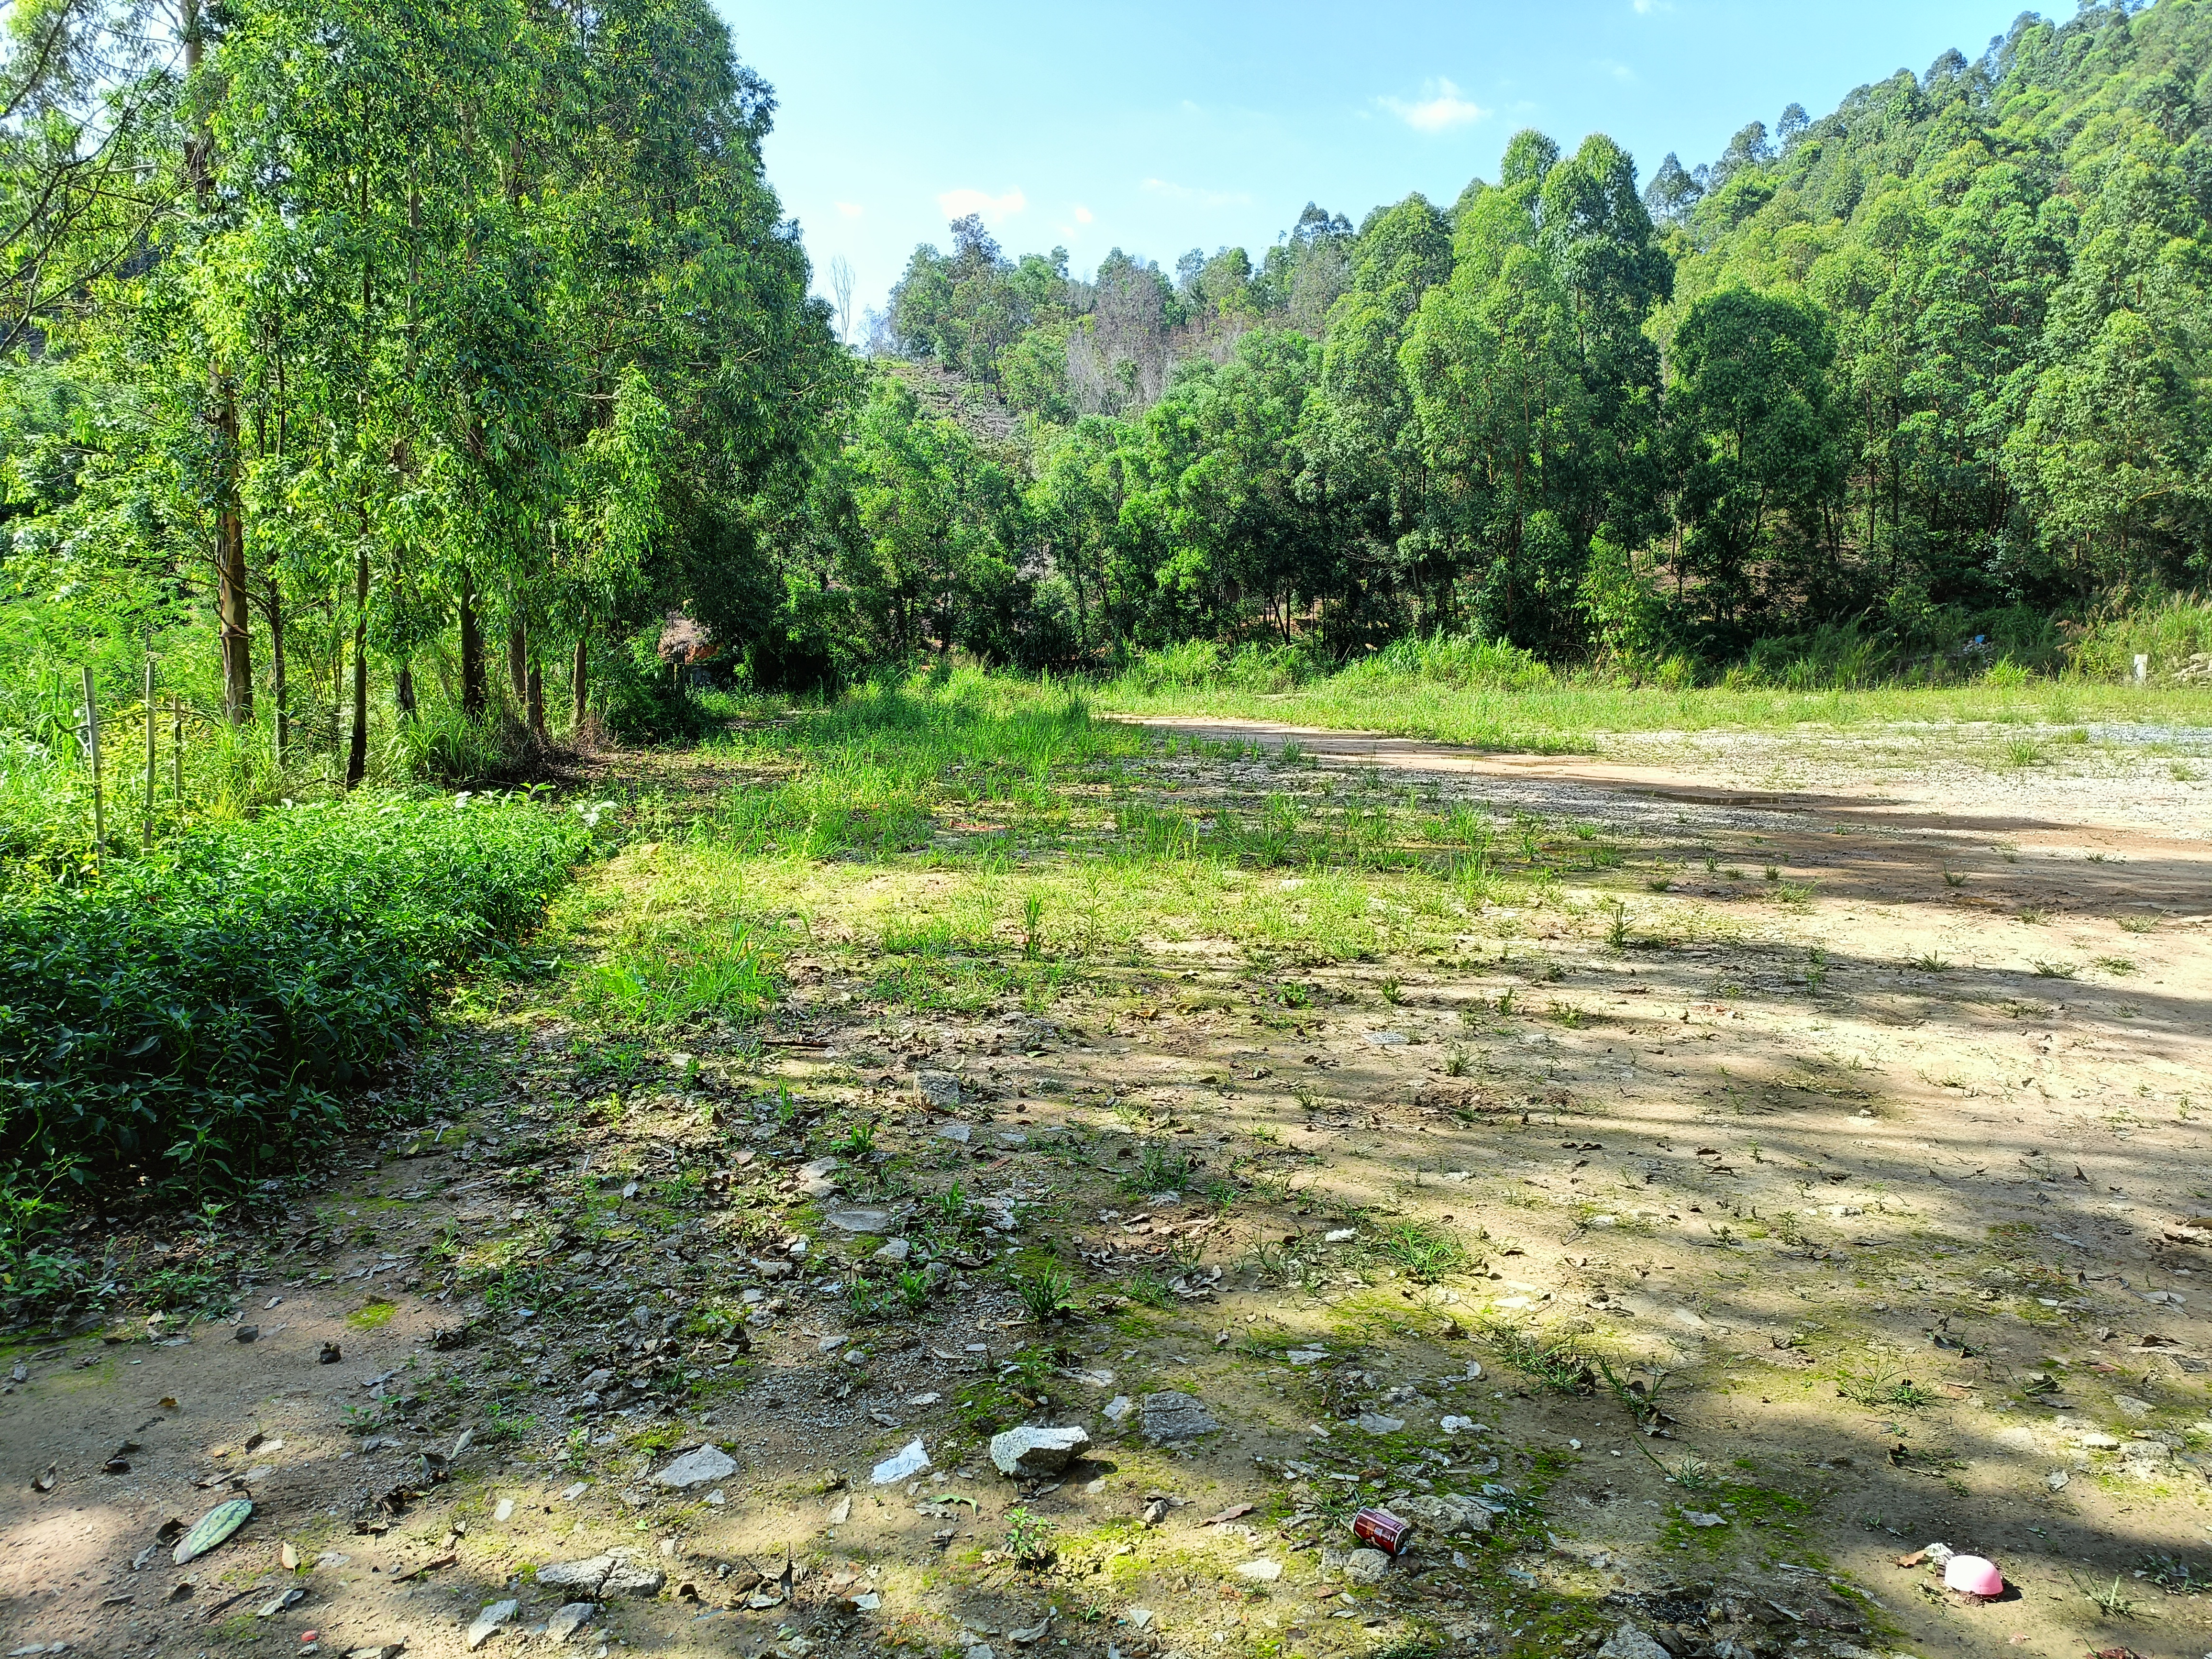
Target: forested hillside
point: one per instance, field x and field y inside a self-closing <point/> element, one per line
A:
<point x="1934" y="365"/>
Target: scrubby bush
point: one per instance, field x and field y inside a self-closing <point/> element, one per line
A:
<point x="189" y="1020"/>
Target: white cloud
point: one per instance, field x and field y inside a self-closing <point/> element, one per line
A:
<point x="1439" y="109"/>
<point x="959" y="203"/>
<point x="1175" y="193"/>
<point x="850" y="209"/>
<point x="1082" y="215"/>
<point x="1619" y="72"/>
<point x="1645" y="8"/>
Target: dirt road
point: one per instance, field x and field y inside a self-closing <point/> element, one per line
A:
<point x="1680" y="1242"/>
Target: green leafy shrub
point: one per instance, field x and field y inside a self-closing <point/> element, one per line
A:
<point x="189" y="1020"/>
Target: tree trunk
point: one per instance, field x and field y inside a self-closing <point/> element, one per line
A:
<point x="534" y="700"/>
<point x="403" y="692"/>
<point x="517" y="660"/>
<point x="357" y="750"/>
<point x="580" y="679"/>
<point x="231" y="613"/>
<point x="472" y="653"/>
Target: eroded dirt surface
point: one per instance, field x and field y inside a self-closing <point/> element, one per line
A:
<point x="1856" y="1127"/>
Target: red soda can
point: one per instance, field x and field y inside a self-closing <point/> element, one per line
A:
<point x="1379" y="1530"/>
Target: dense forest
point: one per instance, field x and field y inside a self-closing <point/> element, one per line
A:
<point x="382" y="367"/>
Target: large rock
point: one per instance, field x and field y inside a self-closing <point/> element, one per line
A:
<point x="1450" y="1513"/>
<point x="860" y="1219"/>
<point x="698" y="1467"/>
<point x="1166" y="1417"/>
<point x="938" y="1089"/>
<point x="1368" y="1566"/>
<point x="817" y="1179"/>
<point x="1630" y="1643"/>
<point x="602" y="1574"/>
<point x="1028" y="1453"/>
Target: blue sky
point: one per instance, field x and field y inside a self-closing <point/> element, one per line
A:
<point x="1157" y="126"/>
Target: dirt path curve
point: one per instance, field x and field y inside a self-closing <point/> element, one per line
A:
<point x="1760" y="783"/>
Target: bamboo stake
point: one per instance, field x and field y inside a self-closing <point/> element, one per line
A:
<point x="177" y="747"/>
<point x="150" y="750"/>
<point x="92" y="754"/>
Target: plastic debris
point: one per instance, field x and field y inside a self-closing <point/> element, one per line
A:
<point x="1973" y="1575"/>
<point x="908" y="1461"/>
<point x="212" y="1529"/>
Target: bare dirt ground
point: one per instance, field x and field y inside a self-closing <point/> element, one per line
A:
<point x="1679" y="1248"/>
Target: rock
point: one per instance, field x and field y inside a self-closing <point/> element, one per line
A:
<point x="1117" y="1408"/>
<point x="938" y="1089"/>
<point x="2134" y="1409"/>
<point x="816" y="1179"/>
<point x="698" y="1467"/>
<point x="494" y="1617"/>
<point x="1704" y="1518"/>
<point x="1452" y="1513"/>
<point x="842" y="1510"/>
<point x="897" y="1250"/>
<point x="629" y="1579"/>
<point x="1375" y="1423"/>
<point x="602" y="1576"/>
<point x="908" y="1461"/>
<point x="1141" y="1617"/>
<point x="979" y="1651"/>
<point x="2018" y="1437"/>
<point x="1368" y="1566"/>
<point x="857" y="1219"/>
<point x="1165" y="1417"/>
<point x="2057" y="1479"/>
<point x="1339" y="1236"/>
<point x="585" y="1575"/>
<point x="960" y="1132"/>
<point x="1027" y="1453"/>
<point x="2095" y="1440"/>
<point x="1265" y="1572"/>
<point x="568" y="1620"/>
<point x="247" y="1333"/>
<point x="1629" y="1643"/>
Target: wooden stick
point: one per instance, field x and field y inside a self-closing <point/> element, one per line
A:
<point x="151" y="756"/>
<point x="92" y="753"/>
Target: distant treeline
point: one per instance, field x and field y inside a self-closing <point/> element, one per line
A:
<point x="1933" y="365"/>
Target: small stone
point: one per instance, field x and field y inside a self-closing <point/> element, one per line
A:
<point x="860" y="1219"/>
<point x="1339" y="1236"/>
<point x="958" y="1132"/>
<point x="495" y="1616"/>
<point x="1117" y="1408"/>
<point x="504" y="1510"/>
<point x="817" y="1178"/>
<point x="980" y="1650"/>
<point x="246" y="1332"/>
<point x="896" y="1250"/>
<point x="1166" y="1417"/>
<point x="569" y="1618"/>
<point x="2057" y="1479"/>
<point x="1141" y="1617"/>
<point x="1704" y="1518"/>
<point x="627" y="1579"/>
<point x="1265" y="1572"/>
<point x="942" y="1091"/>
<point x="1375" y="1423"/>
<point x="1629" y="1643"/>
<point x="840" y="1511"/>
<point x="1368" y="1566"/>
<point x="2134" y="1409"/>
<point x="698" y="1467"/>
<point x="1027" y="1453"/>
